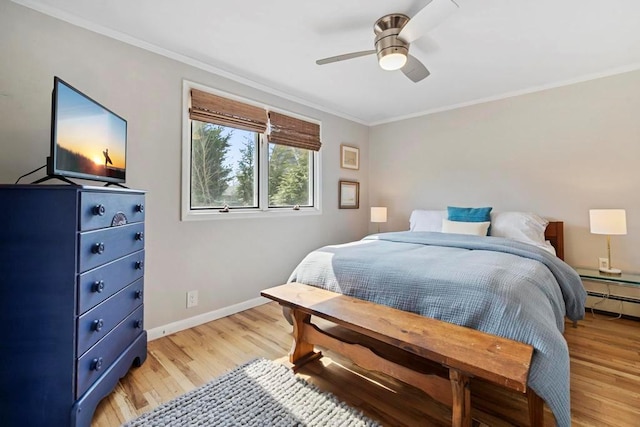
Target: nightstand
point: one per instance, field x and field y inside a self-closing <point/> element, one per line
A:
<point x="614" y="294"/>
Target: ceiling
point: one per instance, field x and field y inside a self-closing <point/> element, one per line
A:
<point x="487" y="49"/>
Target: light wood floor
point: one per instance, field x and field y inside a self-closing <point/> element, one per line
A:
<point x="605" y="375"/>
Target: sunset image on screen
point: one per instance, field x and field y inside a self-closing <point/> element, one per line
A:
<point x="90" y="139"/>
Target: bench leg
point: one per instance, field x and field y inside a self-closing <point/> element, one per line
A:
<point x="536" y="409"/>
<point x="461" y="416"/>
<point x="301" y="350"/>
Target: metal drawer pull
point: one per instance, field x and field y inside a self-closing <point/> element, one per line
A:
<point x="98" y="324"/>
<point x="98" y="248"/>
<point x="140" y="207"/>
<point x="99" y="210"/>
<point x="138" y="324"/>
<point x="96" y="364"/>
<point x="139" y="235"/>
<point x="139" y="294"/>
<point x="98" y="286"/>
<point x="139" y="265"/>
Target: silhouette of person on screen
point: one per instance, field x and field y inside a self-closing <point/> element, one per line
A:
<point x="107" y="159"/>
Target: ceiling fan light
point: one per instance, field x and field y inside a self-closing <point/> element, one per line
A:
<point x="392" y="61"/>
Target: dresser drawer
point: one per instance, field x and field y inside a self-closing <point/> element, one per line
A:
<point x="98" y="284"/>
<point x="97" y="323"/>
<point x="101" y="246"/>
<point x="100" y="210"/>
<point x="98" y="358"/>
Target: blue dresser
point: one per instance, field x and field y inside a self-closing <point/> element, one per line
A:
<point x="71" y="299"/>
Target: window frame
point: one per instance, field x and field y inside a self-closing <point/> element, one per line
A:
<point x="263" y="210"/>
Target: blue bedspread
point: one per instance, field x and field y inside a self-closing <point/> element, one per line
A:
<point x="492" y="284"/>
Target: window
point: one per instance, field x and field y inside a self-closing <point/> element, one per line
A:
<point x="242" y="159"/>
<point x="290" y="173"/>
<point x="224" y="170"/>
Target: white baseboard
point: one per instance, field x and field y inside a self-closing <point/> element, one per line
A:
<point x="191" y="322"/>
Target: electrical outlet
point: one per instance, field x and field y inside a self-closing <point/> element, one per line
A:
<point x="192" y="299"/>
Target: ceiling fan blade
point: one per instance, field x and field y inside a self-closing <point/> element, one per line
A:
<point x="344" y="57"/>
<point x="427" y="19"/>
<point x="414" y="69"/>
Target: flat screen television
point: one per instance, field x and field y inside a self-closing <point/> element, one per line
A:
<point x="88" y="141"/>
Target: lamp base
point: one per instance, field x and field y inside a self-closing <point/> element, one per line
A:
<point x="611" y="271"/>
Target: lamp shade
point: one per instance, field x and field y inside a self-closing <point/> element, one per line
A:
<point x="378" y="214"/>
<point x="608" y="221"/>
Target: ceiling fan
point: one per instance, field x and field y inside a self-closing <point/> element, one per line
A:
<point x="394" y="34"/>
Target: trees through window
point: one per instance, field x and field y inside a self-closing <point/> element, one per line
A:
<point x="289" y="176"/>
<point x="223" y="167"/>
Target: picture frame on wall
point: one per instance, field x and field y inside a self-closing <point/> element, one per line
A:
<point x="349" y="157"/>
<point x="349" y="195"/>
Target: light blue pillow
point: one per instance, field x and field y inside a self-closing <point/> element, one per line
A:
<point x="469" y="214"/>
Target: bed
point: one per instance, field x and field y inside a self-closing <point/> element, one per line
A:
<point x="506" y="286"/>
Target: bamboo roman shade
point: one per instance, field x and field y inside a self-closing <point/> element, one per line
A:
<point x="207" y="107"/>
<point x="294" y="132"/>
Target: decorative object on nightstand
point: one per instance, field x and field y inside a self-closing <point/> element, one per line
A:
<point x="609" y="222"/>
<point x="378" y="215"/>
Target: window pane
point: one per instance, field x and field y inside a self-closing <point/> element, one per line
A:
<point x="224" y="167"/>
<point x="289" y="172"/>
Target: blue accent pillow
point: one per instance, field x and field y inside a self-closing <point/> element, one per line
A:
<point x="469" y="214"/>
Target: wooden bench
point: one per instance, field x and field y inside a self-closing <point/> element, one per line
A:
<point x="377" y="336"/>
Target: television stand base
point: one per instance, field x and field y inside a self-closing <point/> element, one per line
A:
<point x="116" y="184"/>
<point x="61" y="178"/>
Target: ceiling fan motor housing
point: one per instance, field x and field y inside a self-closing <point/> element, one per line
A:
<point x="387" y="42"/>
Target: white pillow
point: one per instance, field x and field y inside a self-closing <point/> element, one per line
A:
<point x="427" y="220"/>
<point x="525" y="227"/>
<point x="460" y="227"/>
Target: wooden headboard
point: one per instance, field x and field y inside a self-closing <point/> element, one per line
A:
<point x="555" y="234"/>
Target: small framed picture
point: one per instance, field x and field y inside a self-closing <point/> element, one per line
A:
<point x="349" y="157"/>
<point x="603" y="263"/>
<point x="349" y="195"/>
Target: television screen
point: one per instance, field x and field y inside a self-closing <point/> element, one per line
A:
<point x="88" y="141"/>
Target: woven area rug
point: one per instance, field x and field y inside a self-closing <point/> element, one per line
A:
<point x="259" y="393"/>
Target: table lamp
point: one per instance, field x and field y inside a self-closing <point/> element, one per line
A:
<point x="609" y="222"/>
<point x="378" y="215"/>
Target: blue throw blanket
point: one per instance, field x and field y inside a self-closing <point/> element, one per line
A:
<point x="492" y="284"/>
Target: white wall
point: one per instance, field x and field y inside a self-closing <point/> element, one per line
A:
<point x="228" y="261"/>
<point x="558" y="152"/>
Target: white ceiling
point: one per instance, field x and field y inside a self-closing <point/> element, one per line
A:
<point x="486" y="50"/>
